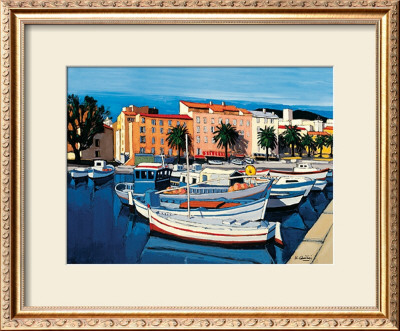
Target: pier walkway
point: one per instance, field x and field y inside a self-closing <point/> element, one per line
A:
<point x="317" y="245"/>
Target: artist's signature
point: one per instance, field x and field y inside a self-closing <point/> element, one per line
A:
<point x="305" y="258"/>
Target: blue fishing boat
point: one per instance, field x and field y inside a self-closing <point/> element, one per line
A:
<point x="147" y="176"/>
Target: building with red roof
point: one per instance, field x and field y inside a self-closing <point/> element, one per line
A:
<point x="207" y="116"/>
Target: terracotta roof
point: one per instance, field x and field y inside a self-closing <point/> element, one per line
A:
<point x="215" y="107"/>
<point x="328" y="128"/>
<point x="107" y="126"/>
<point x="169" y="116"/>
<point x="130" y="113"/>
<point x="284" y="127"/>
<point x="317" y="133"/>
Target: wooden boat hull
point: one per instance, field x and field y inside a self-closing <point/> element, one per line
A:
<point x="97" y="173"/>
<point x="251" y="211"/>
<point x="192" y="230"/>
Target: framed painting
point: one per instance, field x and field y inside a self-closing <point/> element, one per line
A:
<point x="170" y="164"/>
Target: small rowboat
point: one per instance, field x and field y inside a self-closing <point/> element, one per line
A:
<point x="79" y="172"/>
<point x="101" y="170"/>
<point x="213" y="230"/>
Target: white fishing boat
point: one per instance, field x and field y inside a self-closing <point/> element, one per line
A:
<point x="229" y="231"/>
<point x="319" y="185"/>
<point x="250" y="210"/>
<point x="289" y="184"/>
<point x="216" y="192"/>
<point x="79" y="172"/>
<point x="313" y="174"/>
<point x="284" y="200"/>
<point x="215" y="162"/>
<point x="101" y="170"/>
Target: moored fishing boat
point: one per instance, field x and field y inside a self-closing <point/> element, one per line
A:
<point x="213" y="230"/>
<point x="314" y="174"/>
<point x="250" y="210"/>
<point x="289" y="184"/>
<point x="100" y="170"/>
<point x="284" y="200"/>
<point x="79" y="172"/>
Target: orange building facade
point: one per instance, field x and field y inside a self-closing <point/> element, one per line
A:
<point x="207" y="116"/>
<point x="150" y="132"/>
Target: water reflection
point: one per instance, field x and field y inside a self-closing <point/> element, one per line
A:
<point x="101" y="230"/>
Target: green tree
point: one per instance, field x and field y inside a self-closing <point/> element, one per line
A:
<point x="320" y="143"/>
<point x="281" y="143"/>
<point x="292" y="136"/>
<point x="308" y="142"/>
<point x="176" y="138"/>
<point x="84" y="121"/>
<point x="226" y="135"/>
<point x="329" y="143"/>
<point x="267" y="139"/>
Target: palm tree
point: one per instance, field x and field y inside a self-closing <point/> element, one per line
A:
<point x="176" y="138"/>
<point x="281" y="143"/>
<point x="291" y="136"/>
<point x="320" y="143"/>
<point x="329" y="143"/>
<point x="267" y="139"/>
<point x="226" y="135"/>
<point x="308" y="141"/>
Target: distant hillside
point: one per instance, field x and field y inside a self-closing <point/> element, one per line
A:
<point x="297" y="114"/>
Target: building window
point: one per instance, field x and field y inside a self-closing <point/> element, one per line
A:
<point x="153" y="122"/>
<point x="162" y="150"/>
<point x="169" y="122"/>
<point x="162" y="141"/>
<point x="212" y="120"/>
<point x="197" y="119"/>
<point x="258" y="120"/>
<point x="204" y="129"/>
<point x="169" y="130"/>
<point x="184" y="124"/>
<point x="205" y="120"/>
<point x="234" y="122"/>
<point x="142" y="139"/>
<point x="227" y="121"/>
<point x="161" y="130"/>
<point x="213" y="140"/>
<point x="177" y="123"/>
<point x="142" y="150"/>
<point x="161" y="122"/>
<point x="153" y="150"/>
<point x="248" y="123"/>
<point x="258" y="129"/>
<point x="153" y="130"/>
<point x="248" y="134"/>
<point x="170" y="151"/>
<point x="97" y="153"/>
<point x="142" y="129"/>
<point x="198" y="139"/>
<point x="206" y="139"/>
<point x="197" y="129"/>
<point x="241" y="122"/>
<point x="153" y="140"/>
<point x="198" y="151"/>
<point x="212" y="129"/>
<point x="97" y="142"/>
<point x="220" y="120"/>
<point x="242" y="132"/>
<point x="143" y="120"/>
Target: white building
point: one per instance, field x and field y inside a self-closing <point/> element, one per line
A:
<point x="287" y="115"/>
<point x="261" y="120"/>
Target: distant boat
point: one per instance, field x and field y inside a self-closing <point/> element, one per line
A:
<point x="101" y="170"/>
<point x="313" y="174"/>
<point x="79" y="172"/>
<point x="215" y="162"/>
<point x="228" y="231"/>
<point x="319" y="185"/>
<point x="237" y="162"/>
<point x="284" y="200"/>
<point x="249" y="160"/>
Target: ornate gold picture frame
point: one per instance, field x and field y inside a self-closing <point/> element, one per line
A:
<point x="16" y="15"/>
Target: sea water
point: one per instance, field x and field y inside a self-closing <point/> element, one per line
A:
<point x="101" y="230"/>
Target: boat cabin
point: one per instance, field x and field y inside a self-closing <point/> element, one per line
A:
<point x="100" y="163"/>
<point x="221" y="177"/>
<point x="153" y="176"/>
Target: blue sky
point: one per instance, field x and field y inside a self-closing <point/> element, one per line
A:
<point x="162" y="87"/>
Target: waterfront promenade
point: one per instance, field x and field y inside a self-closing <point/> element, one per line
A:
<point x="317" y="245"/>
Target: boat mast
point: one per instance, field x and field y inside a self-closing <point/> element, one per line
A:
<point x="188" y="174"/>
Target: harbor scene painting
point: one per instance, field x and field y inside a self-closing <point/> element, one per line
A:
<point x="200" y="165"/>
